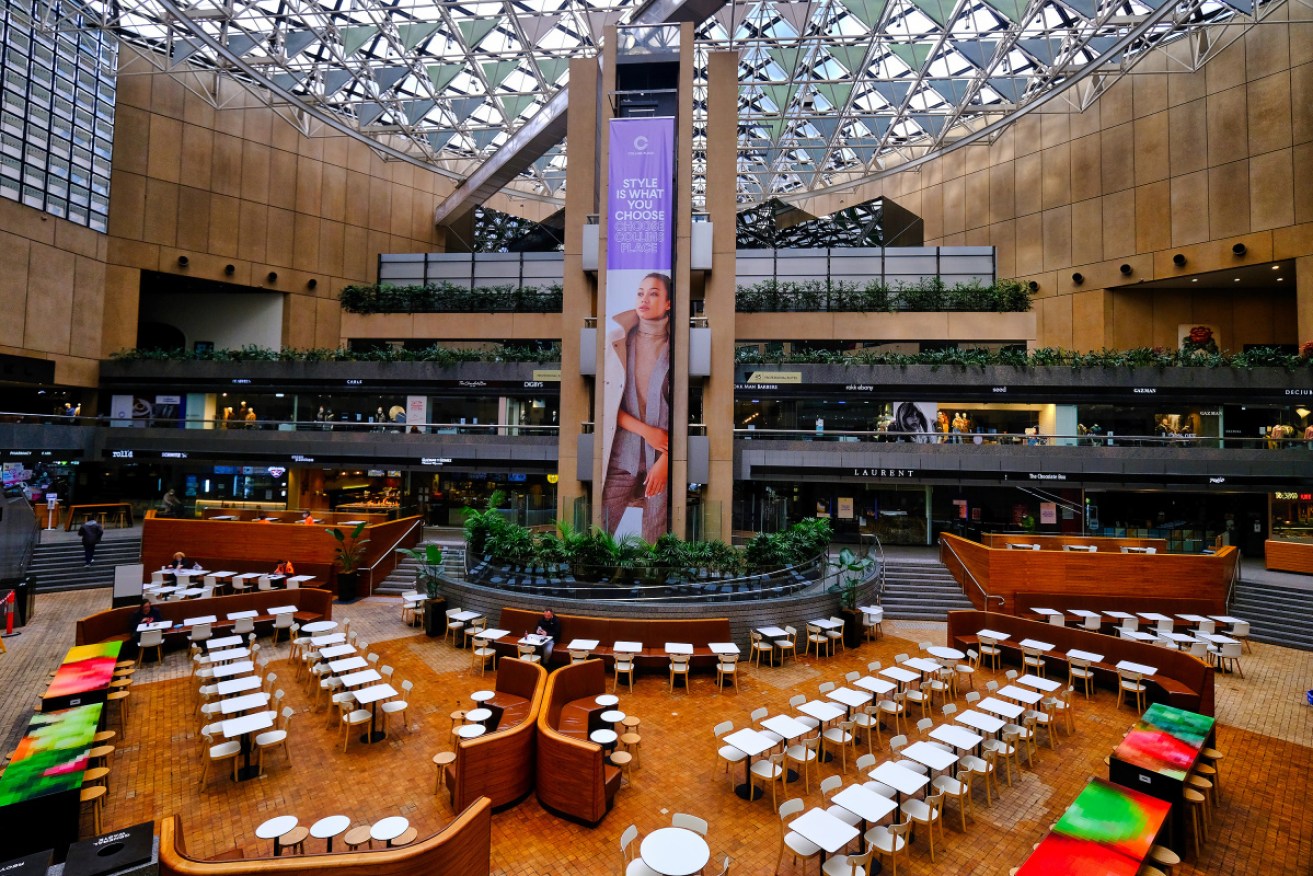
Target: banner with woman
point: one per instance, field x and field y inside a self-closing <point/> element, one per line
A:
<point x="636" y="370"/>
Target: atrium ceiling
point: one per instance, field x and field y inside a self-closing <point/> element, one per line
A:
<point x="831" y="92"/>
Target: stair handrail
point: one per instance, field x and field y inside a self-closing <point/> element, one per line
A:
<point x="880" y="579"/>
<point x="388" y="554"/>
<point x="1235" y="576"/>
<point x="987" y="596"/>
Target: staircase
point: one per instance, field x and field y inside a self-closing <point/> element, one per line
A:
<point x="1278" y="615"/>
<point x="58" y="565"/>
<point x="402" y="579"/>
<point x="920" y="590"/>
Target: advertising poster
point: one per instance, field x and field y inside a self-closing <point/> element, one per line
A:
<point x="635" y="421"/>
<point x="417" y="412"/>
<point x="916" y="420"/>
<point x="845" y="508"/>
<point x="1048" y="513"/>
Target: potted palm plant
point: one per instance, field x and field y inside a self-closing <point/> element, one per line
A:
<point x="427" y="579"/>
<point x="349" y="554"/>
<point x="853" y="571"/>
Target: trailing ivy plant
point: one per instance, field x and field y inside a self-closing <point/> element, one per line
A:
<point x="929" y="294"/>
<point x="448" y="297"/>
<point x="445" y="356"/>
<point x="1044" y="357"/>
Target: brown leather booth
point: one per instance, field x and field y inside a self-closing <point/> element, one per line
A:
<point x="500" y="765"/>
<point x="573" y="778"/>
<point x="464" y="846"/>
<point x="113" y="625"/>
<point x="653" y="634"/>
<point x="1182" y="681"/>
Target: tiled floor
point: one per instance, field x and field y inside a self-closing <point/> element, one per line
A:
<point x="1265" y="731"/>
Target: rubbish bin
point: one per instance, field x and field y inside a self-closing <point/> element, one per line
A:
<point x="24" y="588"/>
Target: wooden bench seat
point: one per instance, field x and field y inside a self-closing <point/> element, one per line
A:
<point x="577" y="717"/>
<point x="509" y="708"/>
<point x="574" y="779"/>
<point x="1183" y="681"/>
<point x="112" y="625"/>
<point x="653" y="634"/>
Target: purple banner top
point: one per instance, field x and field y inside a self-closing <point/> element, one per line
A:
<point x="640" y="202"/>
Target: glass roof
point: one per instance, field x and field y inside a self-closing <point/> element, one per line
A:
<point x="831" y="92"/>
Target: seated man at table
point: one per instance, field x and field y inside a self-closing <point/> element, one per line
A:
<point x="285" y="568"/>
<point x="549" y="626"/>
<point x="145" y="614"/>
<point x="180" y="561"/>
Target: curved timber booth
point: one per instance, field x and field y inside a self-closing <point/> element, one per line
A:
<point x="464" y="846"/>
<point x="1182" y="681"/>
<point x="312" y="603"/>
<point x="499" y="765"/>
<point x="653" y="634"/>
<point x="574" y="779"/>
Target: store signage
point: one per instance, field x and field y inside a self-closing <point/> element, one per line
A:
<point x="276" y="471"/>
<point x="120" y="454"/>
<point x="172" y="454"/>
<point x="1294" y="497"/>
<point x="1216" y="480"/>
<point x="884" y="472"/>
<point x="434" y="460"/>
<point x="775" y="377"/>
<point x="547" y="375"/>
<point x="297" y="457"/>
<point x="1046" y="476"/>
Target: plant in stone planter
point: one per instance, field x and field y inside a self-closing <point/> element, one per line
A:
<point x="349" y="554"/>
<point x="853" y="570"/>
<point x="430" y="570"/>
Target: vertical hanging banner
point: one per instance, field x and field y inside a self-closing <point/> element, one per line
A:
<point x="636" y="370"/>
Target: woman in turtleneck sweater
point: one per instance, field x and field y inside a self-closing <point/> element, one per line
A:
<point x="637" y="466"/>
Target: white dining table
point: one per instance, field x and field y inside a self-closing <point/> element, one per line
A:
<point x="333" y="652"/>
<point x="864" y="803"/>
<point x="330" y="639"/>
<point x="1047" y="685"/>
<point x="1010" y="711"/>
<point x="364" y="676"/>
<point x="1121" y="615"/>
<point x="773" y="632"/>
<point x="993" y="634"/>
<point x="752" y="743"/>
<point x="233" y="705"/>
<point x="853" y="699"/>
<point x="582" y="645"/>
<point x="1193" y="618"/>
<point x="1035" y="645"/>
<point x="238" y="615"/>
<point x="901" y="779"/>
<point x="1020" y="694"/>
<point x="827" y="624"/>
<point x="1154" y="616"/>
<point x="627" y="648"/>
<point x="944" y="653"/>
<point x="1078" y="654"/>
<point x="900" y="675"/>
<point x="230" y="686"/>
<point x="674" y="851"/>
<point x="1138" y="635"/>
<point x="964" y="740"/>
<point x="723" y="648"/>
<point x="877" y="686"/>
<point x="821" y="828"/>
<point x="347" y="664"/>
<point x="929" y="755"/>
<point x="1226" y="619"/>
<point x="923" y="665"/>
<point x="228" y="670"/>
<point x="285" y="609"/>
<point x="979" y="721"/>
<point x="1137" y="668"/>
<point x="203" y="619"/>
<point x="679" y="648"/>
<point x="821" y="711"/>
<point x="1083" y="612"/>
<point x="786" y="726"/>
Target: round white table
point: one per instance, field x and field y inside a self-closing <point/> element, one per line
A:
<point x="478" y="716"/>
<point x="276" y="828"/>
<point x="613" y="716"/>
<point x="603" y="737"/>
<point x="471" y="731"/>
<point x="389" y="829"/>
<point x="329" y="827"/>
<point x="945" y="653"/>
<point x="315" y="627"/>
<point x="607" y="700"/>
<point x="674" y="851"/>
<point x="482" y="696"/>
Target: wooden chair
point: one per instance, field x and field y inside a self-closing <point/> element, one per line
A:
<point x="1132" y="683"/>
<point x="679" y="667"/>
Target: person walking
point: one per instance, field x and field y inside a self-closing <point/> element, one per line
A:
<point x="91" y="533"/>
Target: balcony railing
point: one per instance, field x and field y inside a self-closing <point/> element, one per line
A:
<point x="1023" y="439"/>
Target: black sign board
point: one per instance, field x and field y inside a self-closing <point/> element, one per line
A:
<point x="111" y="852"/>
<point x="30" y="865"/>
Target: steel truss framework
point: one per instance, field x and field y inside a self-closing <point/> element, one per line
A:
<point x="831" y="92"/>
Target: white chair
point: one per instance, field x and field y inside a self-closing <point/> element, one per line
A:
<point x="1240" y="630"/>
<point x="1227" y="656"/>
<point x="244" y="625"/>
<point x="238" y="584"/>
<point x="1093" y="623"/>
<point x="1207" y="626"/>
<point x="276" y="738"/>
<point x="797" y="700"/>
<point x="788" y="646"/>
<point x="398" y="706"/>
<point x="624" y="665"/>
<point x="219" y="751"/>
<point x="835" y="636"/>
<point x="727" y="668"/>
<point x="829" y="785"/>
<point x="199" y="633"/>
<point x="689" y="822"/>
<point x="264" y="583"/>
<point x="157" y="577"/>
<point x="794" y="842"/>
<point x="633" y="864"/>
<point x="284" y="621"/>
<point x="1058" y="620"/>
<point x="290" y="583"/>
<point x="728" y="753"/>
<point x="151" y="639"/>
<point x="873" y="622"/>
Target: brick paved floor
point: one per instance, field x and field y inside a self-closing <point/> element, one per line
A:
<point x="1264" y="730"/>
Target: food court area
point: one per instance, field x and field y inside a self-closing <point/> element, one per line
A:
<point x="701" y="739"/>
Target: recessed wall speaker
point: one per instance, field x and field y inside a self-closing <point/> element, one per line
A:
<point x="1178" y="260"/>
<point x="1239" y="249"/>
<point x="1033" y="286"/>
<point x="230" y="269"/>
<point x="311" y="283"/>
<point x="1126" y="269"/>
<point x="1078" y="278"/>
<point x="183" y="261"/>
<point x="273" y="276"/>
